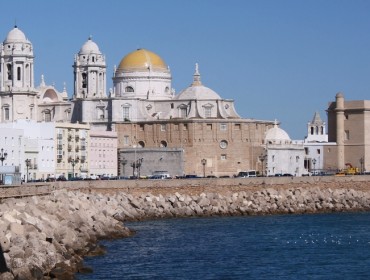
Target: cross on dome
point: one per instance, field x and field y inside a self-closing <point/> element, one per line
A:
<point x="196" y="76"/>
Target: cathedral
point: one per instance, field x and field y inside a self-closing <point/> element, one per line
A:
<point x="193" y="132"/>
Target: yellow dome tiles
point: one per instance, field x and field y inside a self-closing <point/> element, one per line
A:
<point x="142" y="59"/>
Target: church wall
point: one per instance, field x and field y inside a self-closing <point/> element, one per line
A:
<point x="201" y="140"/>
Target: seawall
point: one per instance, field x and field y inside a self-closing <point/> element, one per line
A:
<point x="45" y="235"/>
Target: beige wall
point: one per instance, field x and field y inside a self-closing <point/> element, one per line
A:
<point x="356" y="131"/>
<point x="201" y="139"/>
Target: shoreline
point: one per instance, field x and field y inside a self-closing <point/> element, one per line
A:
<point x="44" y="237"/>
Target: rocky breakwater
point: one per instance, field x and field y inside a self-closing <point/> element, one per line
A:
<point x="46" y="237"/>
<point x="260" y="202"/>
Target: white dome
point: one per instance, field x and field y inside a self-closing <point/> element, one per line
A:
<point x="89" y="47"/>
<point x="199" y="92"/>
<point x="276" y="133"/>
<point x="15" y="35"/>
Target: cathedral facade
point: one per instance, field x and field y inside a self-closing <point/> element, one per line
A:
<point x="193" y="132"/>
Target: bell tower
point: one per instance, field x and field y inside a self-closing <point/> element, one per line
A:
<point x="16" y="63"/>
<point x="89" y="72"/>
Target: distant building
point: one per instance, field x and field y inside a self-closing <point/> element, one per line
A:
<point x="314" y="144"/>
<point x="282" y="155"/>
<point x="103" y="153"/>
<point x="348" y="128"/>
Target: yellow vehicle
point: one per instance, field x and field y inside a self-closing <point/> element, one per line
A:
<point x="350" y="170"/>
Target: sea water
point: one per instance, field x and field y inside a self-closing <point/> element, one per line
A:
<point x="315" y="246"/>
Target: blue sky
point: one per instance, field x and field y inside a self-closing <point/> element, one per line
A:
<point x="279" y="60"/>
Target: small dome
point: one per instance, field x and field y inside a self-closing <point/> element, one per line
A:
<point x="199" y="92"/>
<point x="89" y="47"/>
<point x="15" y="35"/>
<point x="276" y="133"/>
<point x="141" y="60"/>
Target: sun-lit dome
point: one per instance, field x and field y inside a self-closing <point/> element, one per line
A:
<point x="197" y="90"/>
<point x="15" y="35"/>
<point x="142" y="60"/>
<point x="89" y="47"/>
<point x="277" y="134"/>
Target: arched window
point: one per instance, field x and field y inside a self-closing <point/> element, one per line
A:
<point x="6" y="113"/>
<point x="141" y="144"/>
<point x="322" y="130"/>
<point x="312" y="130"/>
<point x="129" y="89"/>
<point x="163" y="144"/>
<point x="18" y="73"/>
<point x="9" y="68"/>
<point x="84" y="80"/>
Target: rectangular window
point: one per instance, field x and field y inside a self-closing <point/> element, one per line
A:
<point x="318" y="151"/>
<point x="185" y="126"/>
<point x="237" y="126"/>
<point x="207" y="112"/>
<point x="223" y="126"/>
<point x="18" y="73"/>
<point x="223" y="157"/>
<point x="141" y="127"/>
<point x="306" y="151"/>
<point x="183" y="112"/>
<point x="163" y="127"/>
<point x="346" y="135"/>
<point x="209" y="126"/>
<point x="126" y="113"/>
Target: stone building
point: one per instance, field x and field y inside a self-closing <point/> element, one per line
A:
<point x="348" y="123"/>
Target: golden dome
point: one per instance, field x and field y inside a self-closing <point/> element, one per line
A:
<point x="142" y="59"/>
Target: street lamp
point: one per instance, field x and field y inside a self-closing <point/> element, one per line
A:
<point x="3" y="156"/>
<point x="204" y="161"/>
<point x="73" y="163"/>
<point x="139" y="163"/>
<point x="28" y="164"/>
<point x="314" y="166"/>
<point x="362" y="164"/>
<point x="124" y="162"/>
<point x="262" y="159"/>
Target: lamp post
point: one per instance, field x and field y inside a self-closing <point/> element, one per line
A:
<point x="204" y="161"/>
<point x="139" y="163"/>
<point x="28" y="163"/>
<point x="124" y="162"/>
<point x="314" y="166"/>
<point x="3" y="156"/>
<point x="262" y="159"/>
<point x="362" y="164"/>
<point x="73" y="163"/>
